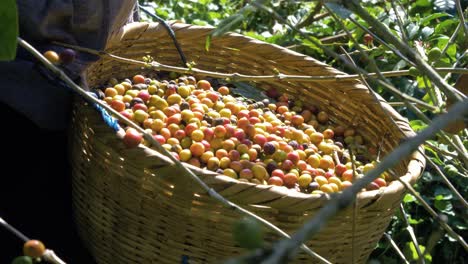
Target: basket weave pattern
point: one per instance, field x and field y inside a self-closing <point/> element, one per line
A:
<point x="133" y="206"/>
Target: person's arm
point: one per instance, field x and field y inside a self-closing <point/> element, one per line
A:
<point x="87" y="23"/>
<point x="26" y="86"/>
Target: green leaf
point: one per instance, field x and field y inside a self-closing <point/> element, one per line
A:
<point x="444" y="206"/>
<point x="433" y="155"/>
<point x="444" y="5"/>
<point x="412" y="30"/>
<point x="431" y="17"/>
<point x="412" y="254"/>
<point x="409" y="198"/>
<point x="418" y="125"/>
<point x="228" y="24"/>
<point x="400" y="65"/>
<point x="423" y="3"/>
<point x="246" y="90"/>
<point x="233" y="21"/>
<point x="426" y="32"/>
<point x="415" y="221"/>
<point x="461" y="225"/>
<point x="340" y="10"/>
<point x="8" y="30"/>
<point x="442" y="193"/>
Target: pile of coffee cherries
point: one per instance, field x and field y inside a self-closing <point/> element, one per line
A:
<point x="276" y="141"/>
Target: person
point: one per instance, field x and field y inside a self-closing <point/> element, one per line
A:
<point x="35" y="194"/>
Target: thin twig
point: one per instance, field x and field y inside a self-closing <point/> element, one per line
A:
<point x="13" y="230"/>
<point x="433" y="92"/>
<point x="440" y="151"/>
<point x="48" y="255"/>
<point x="451" y="40"/>
<point x="279" y="77"/>
<point x="446" y="180"/>
<point x="170" y="31"/>
<point x="345" y="62"/>
<point x="399" y="22"/>
<point x="410" y="230"/>
<point x="312" y="16"/>
<point x="51" y="257"/>
<point x="285" y="249"/>
<point x="422" y="65"/>
<point x="243" y="77"/>
<point x="372" y="63"/>
<point x="166" y="156"/>
<point x="459" y="59"/>
<point x="381" y="41"/>
<point x="461" y="154"/>
<point x="433" y="213"/>
<point x="462" y="18"/>
<point x="396" y="248"/>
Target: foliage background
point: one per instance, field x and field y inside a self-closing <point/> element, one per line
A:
<point x="426" y="24"/>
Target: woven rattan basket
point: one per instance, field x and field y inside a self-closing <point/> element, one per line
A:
<point x="132" y="206"/>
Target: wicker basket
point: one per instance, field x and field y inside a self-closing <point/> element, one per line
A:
<point x="132" y="206"/>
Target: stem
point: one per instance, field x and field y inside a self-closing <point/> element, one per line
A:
<point x="13" y="230"/>
<point x="284" y="250"/>
<point x="462" y="18"/>
<point x="461" y="154"/>
<point x="346" y="63"/>
<point x="400" y="22"/>
<point x="166" y="156"/>
<point x="451" y="40"/>
<point x="397" y="52"/>
<point x="446" y="180"/>
<point x="170" y="31"/>
<point x="243" y="77"/>
<point x="48" y="255"/>
<point x="410" y="230"/>
<point x="383" y="31"/>
<point x="312" y="16"/>
<point x="396" y="248"/>
<point x="435" y="215"/>
<point x="432" y="92"/>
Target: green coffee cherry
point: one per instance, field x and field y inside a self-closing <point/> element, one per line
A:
<point x="414" y="72"/>
<point x="434" y="54"/>
<point x="22" y="260"/>
<point x="248" y="233"/>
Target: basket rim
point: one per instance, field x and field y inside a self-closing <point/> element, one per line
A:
<point x="416" y="162"/>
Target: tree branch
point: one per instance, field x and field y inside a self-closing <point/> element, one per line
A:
<point x="165" y="155"/>
<point x="383" y="32"/>
<point x="285" y="249"/>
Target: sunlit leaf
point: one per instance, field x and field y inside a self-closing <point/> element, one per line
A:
<point x="444" y="5"/>
<point x="412" y="254"/>
<point x="418" y="125"/>
<point x="431" y="17"/>
<point x="426" y="32"/>
<point x="409" y="198"/>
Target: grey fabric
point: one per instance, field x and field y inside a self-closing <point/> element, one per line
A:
<point x="87" y="23"/>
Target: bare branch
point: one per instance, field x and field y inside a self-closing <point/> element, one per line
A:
<point x="383" y="31"/>
<point x="284" y="250"/>
<point x="410" y="230"/>
<point x="396" y="248"/>
<point x="446" y="180"/>
<point x="166" y="156"/>
<point x="433" y="213"/>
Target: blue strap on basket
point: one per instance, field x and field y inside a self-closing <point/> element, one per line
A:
<point x="108" y="119"/>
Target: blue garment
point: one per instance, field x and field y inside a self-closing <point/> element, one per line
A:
<point x="25" y="85"/>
